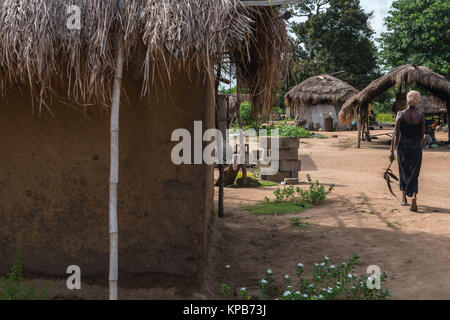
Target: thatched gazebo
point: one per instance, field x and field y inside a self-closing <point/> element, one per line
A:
<point x="402" y="77"/>
<point x="317" y="96"/>
<point x="56" y="87"/>
<point x="429" y="107"/>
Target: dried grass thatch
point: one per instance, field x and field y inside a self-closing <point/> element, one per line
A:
<point x="323" y="89"/>
<point x="260" y="65"/>
<point x="36" y="46"/>
<point x="429" y="107"/>
<point x="436" y="84"/>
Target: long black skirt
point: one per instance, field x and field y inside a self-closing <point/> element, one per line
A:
<point x="409" y="164"/>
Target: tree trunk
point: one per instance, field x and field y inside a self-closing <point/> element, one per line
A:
<point x="114" y="171"/>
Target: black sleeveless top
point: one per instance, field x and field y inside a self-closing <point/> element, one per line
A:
<point x="410" y="133"/>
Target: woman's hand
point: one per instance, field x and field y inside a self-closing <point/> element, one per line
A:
<point x="392" y="156"/>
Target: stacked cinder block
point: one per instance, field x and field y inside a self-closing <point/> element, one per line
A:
<point x="290" y="165"/>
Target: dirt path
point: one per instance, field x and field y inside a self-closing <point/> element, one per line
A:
<point x="359" y="217"/>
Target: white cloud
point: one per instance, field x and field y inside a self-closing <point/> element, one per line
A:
<point x="380" y="9"/>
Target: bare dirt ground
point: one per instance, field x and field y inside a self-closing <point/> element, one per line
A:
<point x="360" y="216"/>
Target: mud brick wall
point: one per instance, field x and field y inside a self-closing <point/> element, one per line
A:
<point x="54" y="183"/>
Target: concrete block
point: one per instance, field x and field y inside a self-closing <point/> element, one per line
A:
<point x="291" y="181"/>
<point x="280" y="176"/>
<point x="285" y="154"/>
<point x="285" y="142"/>
<point x="290" y="165"/>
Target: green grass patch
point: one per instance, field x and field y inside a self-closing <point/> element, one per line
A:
<point x="277" y="208"/>
<point x="385" y="117"/>
<point x="265" y="183"/>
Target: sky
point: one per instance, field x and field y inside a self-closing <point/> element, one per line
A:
<point x="380" y="9"/>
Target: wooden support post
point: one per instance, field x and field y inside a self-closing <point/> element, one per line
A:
<point x="241" y="138"/>
<point x="221" y="166"/>
<point x="114" y="170"/>
<point x="358" y="125"/>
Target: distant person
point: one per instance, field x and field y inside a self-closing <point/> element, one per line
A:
<point x="408" y="140"/>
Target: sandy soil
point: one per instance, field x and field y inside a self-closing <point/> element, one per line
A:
<point x="359" y="217"/>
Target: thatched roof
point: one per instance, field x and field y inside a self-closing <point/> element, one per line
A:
<point x="436" y="84"/>
<point x="429" y="107"/>
<point x="36" y="47"/>
<point x="319" y="90"/>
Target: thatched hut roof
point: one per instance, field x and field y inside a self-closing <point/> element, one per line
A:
<point x="436" y="84"/>
<point x="429" y="107"/>
<point x="38" y="48"/>
<point x="319" y="90"/>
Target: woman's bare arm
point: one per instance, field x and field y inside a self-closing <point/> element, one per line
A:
<point x="395" y="136"/>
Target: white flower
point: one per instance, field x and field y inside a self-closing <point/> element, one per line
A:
<point x="289" y="287"/>
<point x="330" y="291"/>
<point x="269" y="271"/>
<point x="322" y="264"/>
<point x="326" y="258"/>
<point x="332" y="267"/>
<point x="300" y="265"/>
<point x="311" y="285"/>
<point x="287" y="293"/>
<point x="315" y="264"/>
<point x="350" y="275"/>
<point x="305" y="295"/>
<point x="297" y="293"/>
<point x="338" y="283"/>
<point x="283" y="183"/>
<point x="263" y="281"/>
<point x="286" y="276"/>
<point x="320" y="296"/>
<point x="243" y="289"/>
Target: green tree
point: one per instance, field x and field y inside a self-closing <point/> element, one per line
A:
<point x="334" y="37"/>
<point x="418" y="32"/>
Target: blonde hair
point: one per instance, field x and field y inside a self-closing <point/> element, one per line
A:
<point x="414" y="98"/>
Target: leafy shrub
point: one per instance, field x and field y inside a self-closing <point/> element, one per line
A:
<point x="327" y="282"/>
<point x="315" y="194"/>
<point x="12" y="287"/>
<point x="246" y="113"/>
<point x="224" y="289"/>
<point x="293" y="131"/>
